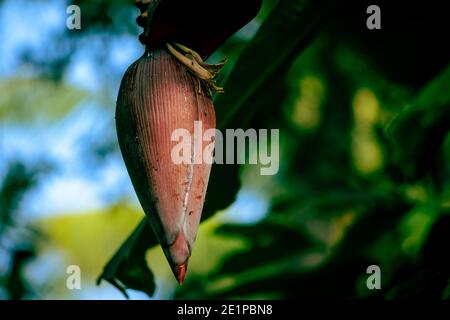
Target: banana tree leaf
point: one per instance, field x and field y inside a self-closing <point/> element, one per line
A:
<point x="51" y="100"/>
<point x="430" y="279"/>
<point x="281" y="240"/>
<point x="285" y="33"/>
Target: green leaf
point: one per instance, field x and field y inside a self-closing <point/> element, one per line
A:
<point x="263" y="237"/>
<point x="284" y="34"/>
<point x="43" y="99"/>
<point x="128" y="268"/>
<point x="446" y="294"/>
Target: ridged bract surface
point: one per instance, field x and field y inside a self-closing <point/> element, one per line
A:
<point x="157" y="96"/>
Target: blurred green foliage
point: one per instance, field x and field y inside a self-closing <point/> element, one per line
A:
<point x="365" y="157"/>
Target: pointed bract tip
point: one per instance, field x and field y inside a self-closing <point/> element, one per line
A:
<point x="180" y="273"/>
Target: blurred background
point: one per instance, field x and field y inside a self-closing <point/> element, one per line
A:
<point x="364" y="176"/>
